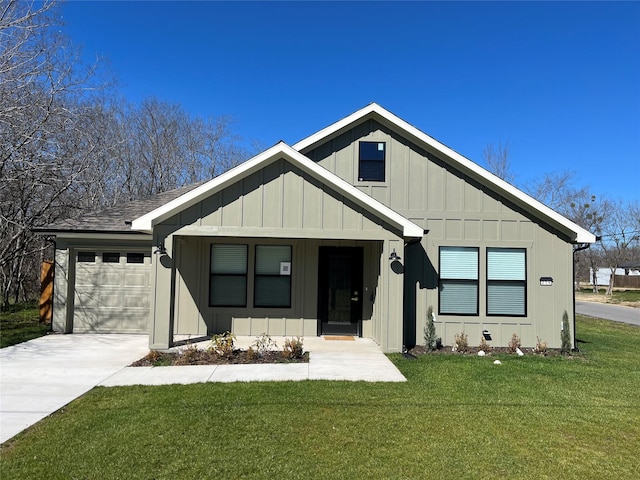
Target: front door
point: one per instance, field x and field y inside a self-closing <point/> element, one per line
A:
<point x="340" y="291"/>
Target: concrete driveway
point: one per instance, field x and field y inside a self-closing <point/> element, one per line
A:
<point x="41" y="376"/>
<point x="617" y="313"/>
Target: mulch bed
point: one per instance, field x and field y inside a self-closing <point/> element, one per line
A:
<point x="421" y="350"/>
<point x="205" y="357"/>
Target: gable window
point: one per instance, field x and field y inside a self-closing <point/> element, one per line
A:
<point x="371" y="161"/>
<point x="458" y="288"/>
<point x="87" y="257"/>
<point x="228" y="281"/>
<point x="506" y="282"/>
<point x="272" y="276"/>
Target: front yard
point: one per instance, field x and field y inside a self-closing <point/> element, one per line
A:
<point x="456" y="417"/>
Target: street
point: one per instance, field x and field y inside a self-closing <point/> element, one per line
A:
<point x="609" y="312"/>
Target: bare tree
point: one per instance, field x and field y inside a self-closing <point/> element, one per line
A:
<point x="498" y="161"/>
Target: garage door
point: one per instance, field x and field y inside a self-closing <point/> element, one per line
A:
<point x="112" y="291"/>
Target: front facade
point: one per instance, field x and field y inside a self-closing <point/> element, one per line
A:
<point x="355" y="230"/>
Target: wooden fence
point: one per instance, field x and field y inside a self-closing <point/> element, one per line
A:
<point x="627" y="281"/>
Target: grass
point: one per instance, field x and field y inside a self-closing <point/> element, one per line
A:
<point x="20" y="323"/>
<point x="457" y="416"/>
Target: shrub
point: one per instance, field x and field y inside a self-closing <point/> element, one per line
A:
<point x="541" y="346"/>
<point x="430" y="339"/>
<point x="223" y="344"/>
<point x="514" y="343"/>
<point x="263" y="344"/>
<point x="484" y="345"/>
<point x="565" y="335"/>
<point x="188" y="356"/>
<point x="293" y="348"/>
<point x="460" y="342"/>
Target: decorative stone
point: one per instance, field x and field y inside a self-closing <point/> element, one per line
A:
<point x="497" y="362"/>
<point x="519" y="352"/>
<point x="481" y="353"/>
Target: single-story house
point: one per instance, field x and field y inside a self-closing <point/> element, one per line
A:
<point x="354" y="230"/>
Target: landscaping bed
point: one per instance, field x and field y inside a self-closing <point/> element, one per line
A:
<point x="205" y="357"/>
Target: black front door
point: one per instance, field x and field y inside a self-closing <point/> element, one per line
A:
<point x="340" y="291"/>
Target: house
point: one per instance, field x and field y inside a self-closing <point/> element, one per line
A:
<point x="354" y="230"/>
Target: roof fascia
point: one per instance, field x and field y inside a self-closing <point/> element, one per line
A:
<point x="373" y="110"/>
<point x="281" y="150"/>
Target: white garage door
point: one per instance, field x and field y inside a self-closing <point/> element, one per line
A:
<point x="112" y="291"/>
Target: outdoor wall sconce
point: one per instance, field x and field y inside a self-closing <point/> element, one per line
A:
<point x="486" y="334"/>
<point x="546" y="281"/>
<point x="394" y="257"/>
<point x="160" y="250"/>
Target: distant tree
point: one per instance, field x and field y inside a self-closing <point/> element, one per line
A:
<point x="619" y="236"/>
<point x="498" y="162"/>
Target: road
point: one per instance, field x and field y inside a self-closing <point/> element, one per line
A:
<point x="609" y="312"/>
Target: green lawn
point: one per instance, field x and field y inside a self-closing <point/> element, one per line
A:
<point x="20" y="323"/>
<point x="456" y="417"/>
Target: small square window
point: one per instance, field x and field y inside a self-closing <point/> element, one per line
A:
<point x="87" y="257"/>
<point x="111" y="257"/>
<point x="135" y="257"/>
<point x="371" y="161"/>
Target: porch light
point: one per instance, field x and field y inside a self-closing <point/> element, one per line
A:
<point x="394" y="257"/>
<point x="160" y="250"/>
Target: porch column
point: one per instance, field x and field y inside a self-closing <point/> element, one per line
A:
<point x="160" y="328"/>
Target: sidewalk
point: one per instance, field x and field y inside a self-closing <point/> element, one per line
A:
<point x="41" y="376"/>
<point x="358" y="359"/>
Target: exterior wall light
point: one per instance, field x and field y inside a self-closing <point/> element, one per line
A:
<point x="394" y="257"/>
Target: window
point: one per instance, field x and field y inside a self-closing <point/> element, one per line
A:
<point x="110" y="257"/>
<point x="506" y="282"/>
<point x="135" y="257"/>
<point x="87" y="257"/>
<point x="228" y="282"/>
<point x="458" y="289"/>
<point x="272" y="276"/>
<point x="371" y="161"/>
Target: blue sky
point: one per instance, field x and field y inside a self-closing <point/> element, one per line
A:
<point x="559" y="82"/>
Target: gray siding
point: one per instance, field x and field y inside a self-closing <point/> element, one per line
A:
<point x="458" y="211"/>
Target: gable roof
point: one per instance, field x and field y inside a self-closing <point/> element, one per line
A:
<point x="457" y="161"/>
<point x="145" y="223"/>
<point x="116" y="219"/>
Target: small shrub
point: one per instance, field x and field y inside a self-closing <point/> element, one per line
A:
<point x="264" y="343"/>
<point x="541" y="346"/>
<point x="565" y="335"/>
<point x="460" y="343"/>
<point x="484" y="345"/>
<point x="223" y="344"/>
<point x="188" y="356"/>
<point x="514" y="343"/>
<point x="430" y="339"/>
<point x="293" y="348"/>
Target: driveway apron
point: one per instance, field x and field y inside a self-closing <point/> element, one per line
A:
<point x="41" y="376"/>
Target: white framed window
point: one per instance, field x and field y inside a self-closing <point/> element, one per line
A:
<point x="228" y="275"/>
<point x="507" y="282"/>
<point x="272" y="279"/>
<point x="458" y="286"/>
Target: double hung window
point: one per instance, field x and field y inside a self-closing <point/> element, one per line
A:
<point x="228" y="282"/>
<point x="458" y="289"/>
<point x="506" y="281"/>
<point x="272" y="276"/>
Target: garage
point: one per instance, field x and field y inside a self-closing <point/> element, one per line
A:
<point x="112" y="291"/>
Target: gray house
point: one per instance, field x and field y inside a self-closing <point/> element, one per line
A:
<point x="355" y="230"/>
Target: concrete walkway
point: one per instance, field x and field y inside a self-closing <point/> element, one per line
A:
<point x="41" y="376"/>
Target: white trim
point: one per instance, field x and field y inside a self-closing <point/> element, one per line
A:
<point x="374" y="110"/>
<point x="146" y="222"/>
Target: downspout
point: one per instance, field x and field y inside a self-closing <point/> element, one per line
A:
<point x="578" y="249"/>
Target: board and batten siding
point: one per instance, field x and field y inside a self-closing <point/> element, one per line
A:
<point x="279" y="205"/>
<point x="459" y="211"/>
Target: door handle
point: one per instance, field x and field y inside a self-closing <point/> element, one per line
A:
<point x="355" y="298"/>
